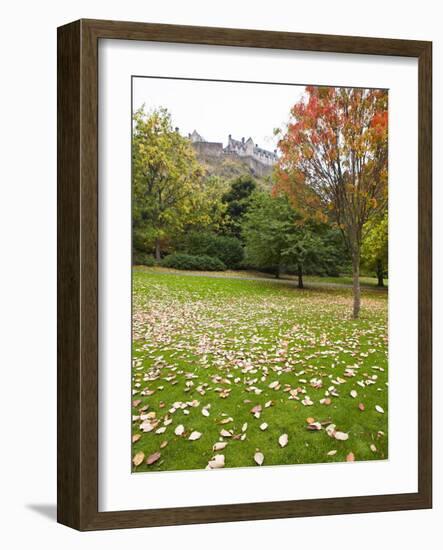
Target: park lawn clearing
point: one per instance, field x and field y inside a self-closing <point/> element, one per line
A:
<point x="253" y="274"/>
<point x="236" y="373"/>
<point x="344" y="280"/>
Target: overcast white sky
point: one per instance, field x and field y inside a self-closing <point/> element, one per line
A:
<point x="217" y="109"/>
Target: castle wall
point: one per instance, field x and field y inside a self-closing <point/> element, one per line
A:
<point x="210" y="149"/>
<point x="257" y="167"/>
<point x="259" y="161"/>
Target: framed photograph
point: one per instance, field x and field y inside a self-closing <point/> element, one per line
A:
<point x="244" y="275"/>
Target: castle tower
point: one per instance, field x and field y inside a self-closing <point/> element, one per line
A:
<point x="249" y="147"/>
<point x="196" y="137"/>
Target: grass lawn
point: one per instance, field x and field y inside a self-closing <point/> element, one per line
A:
<point x="343" y="280"/>
<point x="251" y="274"/>
<point x="207" y="351"/>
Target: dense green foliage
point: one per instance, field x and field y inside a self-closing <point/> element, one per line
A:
<point x="227" y="249"/>
<point x="141" y="258"/>
<point x="170" y="194"/>
<point x="278" y="239"/>
<point x="269" y="225"/>
<point x="374" y="250"/>
<point x="238" y="200"/>
<point x="189" y="262"/>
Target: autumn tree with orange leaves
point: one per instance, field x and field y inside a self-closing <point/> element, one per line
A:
<point x="334" y="162"/>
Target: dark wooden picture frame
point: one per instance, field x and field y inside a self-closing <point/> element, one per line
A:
<point x="77" y="481"/>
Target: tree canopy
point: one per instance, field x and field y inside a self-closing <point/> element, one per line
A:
<point x="277" y="237"/>
<point x="237" y="200"/>
<point x="333" y="162"/>
<point x="169" y="191"/>
<point x="375" y="249"/>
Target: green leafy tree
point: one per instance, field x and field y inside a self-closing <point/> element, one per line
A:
<point x="277" y="237"/>
<point x="375" y="249"/>
<point x="227" y="249"/>
<point x="265" y="230"/>
<point x="210" y="204"/>
<point x="269" y="229"/>
<point x="168" y="187"/>
<point x="237" y="200"/>
<point x="307" y="251"/>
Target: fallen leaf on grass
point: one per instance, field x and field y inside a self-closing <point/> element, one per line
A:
<point x="361" y="406"/>
<point x="179" y="430"/>
<point x="219" y="446"/>
<point x="332" y="453"/>
<point x="350" y="457"/>
<point x="147" y="426"/>
<point x="153" y="458"/>
<point x="314" y="426"/>
<point x="353" y="393"/>
<point x="341" y="436"/>
<point x="163" y="444"/>
<point x="263" y="426"/>
<point x="373" y="448"/>
<point x="259" y="458"/>
<point x="217" y="461"/>
<point x="138" y="458"/>
<point x="379" y="409"/>
<point x="330" y="430"/>
<point x="283" y="440"/>
<point x="225" y="433"/>
<point x="194" y="436"/>
<point x="136" y="438"/>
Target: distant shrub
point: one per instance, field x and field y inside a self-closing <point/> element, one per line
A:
<point x="227" y="249"/>
<point x="141" y="258"/>
<point x="211" y="263"/>
<point x="191" y="262"/>
<point x="199" y="243"/>
<point x="230" y="251"/>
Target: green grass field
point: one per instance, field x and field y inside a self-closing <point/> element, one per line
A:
<point x="207" y="351"/>
<point x="242" y="274"/>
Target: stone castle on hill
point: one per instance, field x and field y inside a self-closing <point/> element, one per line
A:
<point x="260" y="161"/>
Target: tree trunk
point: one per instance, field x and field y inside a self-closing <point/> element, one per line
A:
<point x="380" y="274"/>
<point x="158" y="255"/>
<point x="300" y="276"/>
<point x="356" y="283"/>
